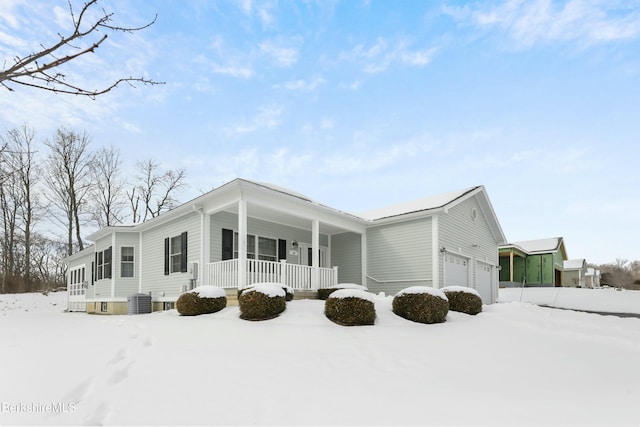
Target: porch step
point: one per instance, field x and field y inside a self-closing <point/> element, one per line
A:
<point x="232" y="296"/>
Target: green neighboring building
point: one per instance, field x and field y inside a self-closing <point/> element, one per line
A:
<point x="532" y="262"/>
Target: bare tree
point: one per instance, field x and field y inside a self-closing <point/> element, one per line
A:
<point x="154" y="191"/>
<point x="42" y="69"/>
<point x="69" y="178"/>
<point x="108" y="193"/>
<point x="25" y="173"/>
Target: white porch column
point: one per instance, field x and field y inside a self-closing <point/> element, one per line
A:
<point x="363" y="258"/>
<point x="315" y="254"/>
<point x="435" y="254"/>
<point x="206" y="250"/>
<point x="242" y="242"/>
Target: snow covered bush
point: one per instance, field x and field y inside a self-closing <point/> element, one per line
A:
<point x="350" y="307"/>
<point x="421" y="304"/>
<point x="324" y="293"/>
<point x="463" y="299"/>
<point x="262" y="301"/>
<point x="201" y="300"/>
<point x="287" y="290"/>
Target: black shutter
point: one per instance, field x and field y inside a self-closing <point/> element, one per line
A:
<point x="227" y="244"/>
<point x="166" y="256"/>
<point x="183" y="252"/>
<point x="282" y="249"/>
<point x="107" y="263"/>
<point x="95" y="270"/>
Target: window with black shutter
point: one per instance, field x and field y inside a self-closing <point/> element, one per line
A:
<point x="175" y="254"/>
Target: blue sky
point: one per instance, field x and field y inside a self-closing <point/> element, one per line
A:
<point x="363" y="104"/>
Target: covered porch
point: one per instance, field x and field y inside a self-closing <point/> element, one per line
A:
<point x="255" y="233"/>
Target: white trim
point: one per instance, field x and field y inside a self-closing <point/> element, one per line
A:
<point x="140" y="263"/>
<point x="363" y="256"/>
<point x="242" y="241"/>
<point x="113" y="268"/>
<point x="435" y="252"/>
<point x="315" y="254"/>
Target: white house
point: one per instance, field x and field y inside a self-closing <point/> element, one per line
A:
<point x="246" y="232"/>
<point x="574" y="274"/>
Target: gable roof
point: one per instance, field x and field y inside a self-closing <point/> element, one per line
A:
<point x="539" y="246"/>
<point x="420" y="207"/>
<point x="439" y="203"/>
<point x="574" y="264"/>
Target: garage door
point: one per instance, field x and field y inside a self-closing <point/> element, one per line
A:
<point x="456" y="271"/>
<point x="484" y="282"/>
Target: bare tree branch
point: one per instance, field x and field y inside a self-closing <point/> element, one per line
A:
<point x="31" y="70"/>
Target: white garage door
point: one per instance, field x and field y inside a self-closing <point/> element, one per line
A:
<point x="456" y="271"/>
<point x="484" y="282"/>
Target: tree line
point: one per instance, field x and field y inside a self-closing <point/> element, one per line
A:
<point x="621" y="273"/>
<point x="54" y="190"/>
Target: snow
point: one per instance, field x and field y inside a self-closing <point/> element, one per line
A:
<point x="423" y="204"/>
<point x="540" y="245"/>
<point x="209" y="292"/>
<point x="606" y="300"/>
<point x="349" y="286"/>
<point x="269" y="289"/>
<point x="512" y="364"/>
<point x="423" y="290"/>
<point x="353" y="293"/>
<point x="460" y="289"/>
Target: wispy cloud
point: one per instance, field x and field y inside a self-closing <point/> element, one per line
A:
<point x="281" y="54"/>
<point x="379" y="56"/>
<point x="302" y="85"/>
<point x="538" y="21"/>
<point x="268" y="117"/>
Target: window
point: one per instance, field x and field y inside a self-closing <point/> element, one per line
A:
<point x="262" y="248"/>
<point x="267" y="249"/>
<point x="175" y="254"/>
<point x="76" y="284"/>
<point x="103" y="307"/>
<point x="103" y="264"/>
<point x="126" y="261"/>
<point x="168" y="305"/>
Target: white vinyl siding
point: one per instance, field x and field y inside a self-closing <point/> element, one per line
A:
<point x="102" y="286"/>
<point x="152" y="258"/>
<point x="399" y="256"/>
<point x="459" y="233"/>
<point x="346" y="254"/>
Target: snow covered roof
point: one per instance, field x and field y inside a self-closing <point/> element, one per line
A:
<point x="551" y="244"/>
<point x="423" y="204"/>
<point x="574" y="264"/>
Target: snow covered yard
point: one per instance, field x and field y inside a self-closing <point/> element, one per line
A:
<point x="605" y="300"/>
<point x="512" y="364"/>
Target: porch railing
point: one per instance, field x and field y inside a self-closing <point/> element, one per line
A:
<point x="224" y="274"/>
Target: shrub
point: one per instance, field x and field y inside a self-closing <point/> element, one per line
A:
<point x="463" y="299"/>
<point x="262" y="301"/>
<point x="287" y="290"/>
<point x="350" y="307"/>
<point x="324" y="293"/>
<point x="201" y="300"/>
<point x="421" y="304"/>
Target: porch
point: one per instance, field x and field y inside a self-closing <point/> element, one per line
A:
<point x="229" y="274"/>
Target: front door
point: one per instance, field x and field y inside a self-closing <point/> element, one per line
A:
<point x="305" y="256"/>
